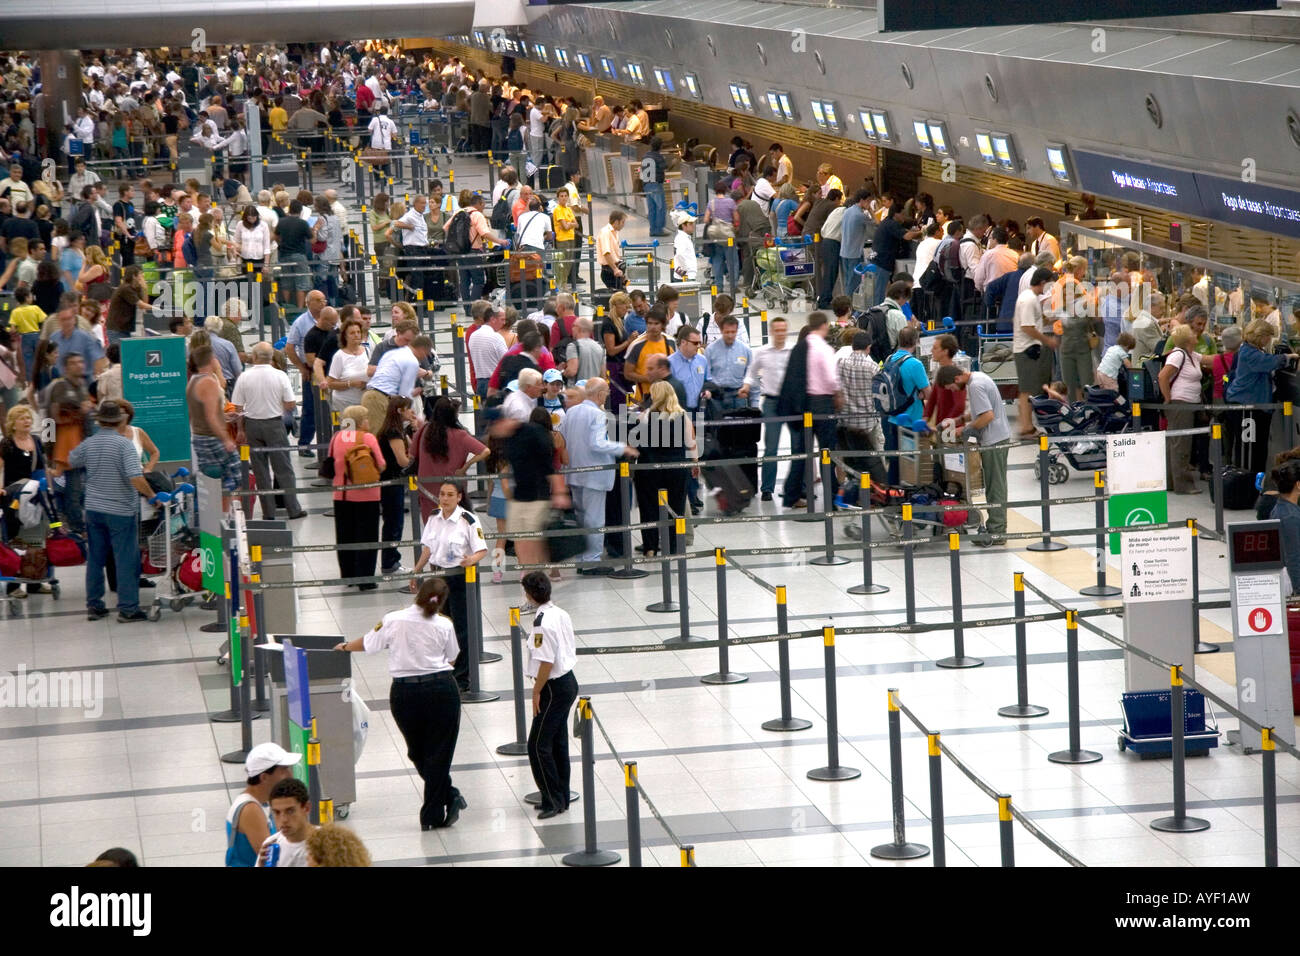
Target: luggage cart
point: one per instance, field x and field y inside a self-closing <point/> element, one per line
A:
<point x="995" y="361"/>
<point x="1147" y="729"/>
<point x="169" y="541"/>
<point x="645" y="256"/>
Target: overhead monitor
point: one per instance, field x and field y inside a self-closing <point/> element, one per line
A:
<point x="922" y="135"/>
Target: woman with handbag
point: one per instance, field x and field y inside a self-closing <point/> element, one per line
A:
<point x="327" y="245"/>
<point x="666" y="436"/>
<point x="21" y="456"/>
<point x="720" y="224"/>
<point x="354" y="457"/>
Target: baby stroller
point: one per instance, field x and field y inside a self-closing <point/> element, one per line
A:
<point x="1102" y="412"/>
<point x="25" y="563"/>
<point x="784" y="271"/>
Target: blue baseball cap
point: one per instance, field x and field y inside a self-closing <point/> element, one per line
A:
<point x="552" y="375"/>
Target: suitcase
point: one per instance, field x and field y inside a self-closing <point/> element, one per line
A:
<point x="1293" y="638"/>
<point x="551" y="177"/>
<point x="1238" y="489"/>
<point x="735" y="487"/>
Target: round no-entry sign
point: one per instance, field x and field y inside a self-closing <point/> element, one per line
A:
<point x="1260" y="620"/>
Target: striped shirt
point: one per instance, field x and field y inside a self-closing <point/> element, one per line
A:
<point x="856" y="372"/>
<point x="111" y="461"/>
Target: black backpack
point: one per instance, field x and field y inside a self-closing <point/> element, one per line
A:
<point x="501" y="216"/>
<point x="457" y="240"/>
<point x="873" y="322"/>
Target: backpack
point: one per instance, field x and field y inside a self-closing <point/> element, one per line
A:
<point x="873" y="322"/>
<point x="458" y="240"/>
<point x="501" y="217"/>
<point x="359" y="466"/>
<point x="888" y="390"/>
<point x="948" y="256"/>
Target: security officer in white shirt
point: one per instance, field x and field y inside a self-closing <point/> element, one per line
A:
<point x="552" y="651"/>
<point x="452" y="540"/>
<point x="425" y="703"/>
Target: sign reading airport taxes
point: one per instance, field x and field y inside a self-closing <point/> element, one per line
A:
<point x="153" y="380"/>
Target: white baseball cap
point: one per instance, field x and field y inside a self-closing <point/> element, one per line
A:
<point x="265" y="756"/>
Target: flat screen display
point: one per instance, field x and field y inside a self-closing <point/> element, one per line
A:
<point x="1256" y="546"/>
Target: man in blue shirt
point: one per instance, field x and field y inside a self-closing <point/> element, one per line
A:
<point x="916" y="383"/>
<point x="396" y="376"/>
<point x="886" y="246"/>
<point x="690" y="366"/>
<point x="293" y="352"/>
<point x="853" y="237"/>
<point x="73" y="341"/>
<point x="585" y="430"/>
<point x="729" y="360"/>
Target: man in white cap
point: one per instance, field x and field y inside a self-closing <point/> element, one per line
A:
<point x="265" y="766"/>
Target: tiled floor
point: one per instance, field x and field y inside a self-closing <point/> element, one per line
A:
<point x="145" y="773"/>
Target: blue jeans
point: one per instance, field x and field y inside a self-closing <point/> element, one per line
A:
<point x="472" y="282"/>
<point x="590" y="505"/>
<point x="116" y="535"/>
<point x="726" y="266"/>
<point x="72" y="500"/>
<point x="307" y="424"/>
<point x="882" y="283"/>
<point x="771" y="445"/>
<point x="851" y="277"/>
<point x="655" y="209"/>
<point x="829" y="267"/>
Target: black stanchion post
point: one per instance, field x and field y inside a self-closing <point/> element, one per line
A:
<point x="458" y="355"/>
<point x="959" y="658"/>
<point x="590" y="855"/>
<point x="1216" y="476"/>
<point x="809" y="470"/>
<point x="1044" y="490"/>
<point x="246" y="478"/>
<point x="628" y="571"/>
<point x="864" y="502"/>
<point x="245" y="693"/>
<point x="909" y="568"/>
<point x="1180" y="822"/>
<point x="936" y="799"/>
<point x="633" y="814"/>
<point x="724" y="674"/>
<point x="484" y="656"/>
<point x="899" y="849"/>
<point x="1076" y="754"/>
<point x="784" y="723"/>
<point x="313" y="774"/>
<point x="473" y="640"/>
<point x="1267" y="749"/>
<point x="666" y="605"/>
<point x="1202" y="647"/>
<point x="413" y="508"/>
<point x="1022" y="707"/>
<point x="260" y="704"/>
<point x="519" y="746"/>
<point x="828" y="508"/>
<point x="832" y="770"/>
<point x="1101" y="588"/>
<point x="1006" y="833"/>
<point x="684" y="635"/>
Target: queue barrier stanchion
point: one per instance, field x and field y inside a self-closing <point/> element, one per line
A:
<point x="864" y="502"/>
<point x="245" y="689"/>
<point x="590" y="855"/>
<point x="666" y="605"/>
<point x="628" y="571"/>
<point x="473" y="638"/>
<point x="1101" y="588"/>
<point x="688" y="855"/>
<point x="1180" y="822"/>
<point x="1045" y="514"/>
<point x="832" y="771"/>
<point x="809" y="471"/>
<point x="899" y="849"/>
<point x="633" y="814"/>
<point x="830" y="558"/>
<point x="413" y="508"/>
<point x="959" y="659"/>
<point x="1268" y="752"/>
<point x="313" y="774"/>
<point x="1202" y="647"/>
<point x="484" y="655"/>
<point x="935" y="758"/>
<point x="724" y="674"/>
<point x="260" y="703"/>
<point x="1075" y="754"/>
<point x="1216" y="475"/>
<point x="458" y="355"/>
<point x="684" y="635"/>
<point x="326" y="810"/>
<point x="909" y="566"/>
<point x="1022" y="707"/>
<point x="246" y="478"/>
<point x="519" y="746"/>
<point x="1006" y="831"/>
<point x="785" y="723"/>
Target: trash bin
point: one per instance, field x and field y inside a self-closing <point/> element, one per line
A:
<point x="329" y="674"/>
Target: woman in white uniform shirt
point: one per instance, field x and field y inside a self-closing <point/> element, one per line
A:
<point x="452" y="540"/>
<point x="421" y="645"/>
<point x="551" y="646"/>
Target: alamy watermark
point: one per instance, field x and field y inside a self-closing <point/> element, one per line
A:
<point x="82" y="690"/>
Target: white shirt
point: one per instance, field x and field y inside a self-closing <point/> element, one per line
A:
<point x="262" y="391"/>
<point x="1029" y="312"/>
<point x="486" y="348"/>
<point x="763" y="194"/>
<point x="924" y="255"/>
<point x="518" y="405"/>
<point x="500" y="189"/>
<point x="533" y="227"/>
<point x="345" y="366"/>
<point x="291" y="854"/>
<point x="549" y="638"/>
<point x="535" y="123"/>
<point x="418" y="234"/>
<point x="451" y="540"/>
<point x="684" y="264"/>
<point x="416" y="644"/>
<point x="382" y="130"/>
<point x="254" y="243"/>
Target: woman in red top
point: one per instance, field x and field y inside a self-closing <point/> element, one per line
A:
<point x="443" y="448"/>
<point x="940" y="407"/>
<point x="356" y="513"/>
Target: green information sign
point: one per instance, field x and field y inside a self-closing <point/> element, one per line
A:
<point x="153" y="380"/>
<point x="209" y="495"/>
<point x="1136" y="508"/>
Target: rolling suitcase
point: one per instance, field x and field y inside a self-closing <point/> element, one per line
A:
<point x="735" y="489"/>
<point x="550" y="177"/>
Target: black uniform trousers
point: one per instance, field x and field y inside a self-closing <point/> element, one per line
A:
<point x="458" y="610"/>
<point x="548" y="742"/>
<point x="427" y="712"/>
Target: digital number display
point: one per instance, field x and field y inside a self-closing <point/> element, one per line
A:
<point x="1256" y="546"/>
